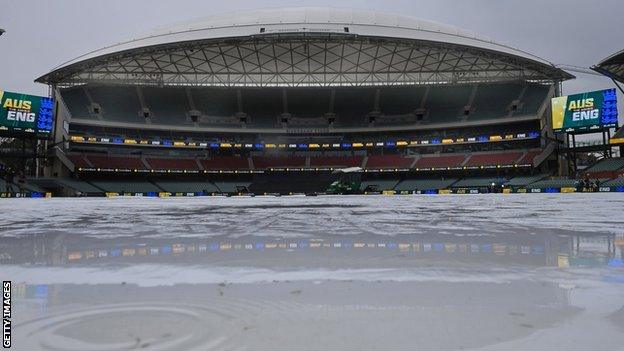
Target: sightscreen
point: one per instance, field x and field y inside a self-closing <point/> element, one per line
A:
<point x="26" y="113"/>
<point x="585" y="112"/>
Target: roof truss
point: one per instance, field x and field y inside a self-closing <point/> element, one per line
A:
<point x="322" y="60"/>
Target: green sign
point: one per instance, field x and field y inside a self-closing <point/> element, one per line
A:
<point x="26" y="113"/>
<point x="585" y="112"/>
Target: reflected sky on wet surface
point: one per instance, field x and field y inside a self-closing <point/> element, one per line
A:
<point x="363" y="272"/>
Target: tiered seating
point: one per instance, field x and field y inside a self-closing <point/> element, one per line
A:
<point x="554" y="183"/>
<point x="215" y="102"/>
<point x="278" y="162"/>
<point x="478" y="182"/>
<point x="80" y="186"/>
<point x="79" y="161"/>
<point x="493" y="100"/>
<point x="400" y="101"/>
<point x="525" y="180"/>
<point x="76" y="101"/>
<point x="440" y="161"/>
<point x="508" y="158"/>
<point x="187" y="187"/>
<point x="446" y="104"/>
<point x="118" y="103"/>
<point x="532" y="100"/>
<point x="424" y="184"/>
<point x="225" y="163"/>
<point x="126" y="186"/>
<point x="608" y="165"/>
<point x="231" y="187"/>
<point x="263" y="105"/>
<point x="336" y="161"/>
<point x="308" y="102"/>
<point x="388" y="161"/>
<point x="529" y="157"/>
<point x="173" y="164"/>
<point x="167" y="105"/>
<point x="115" y="162"/>
<point x="351" y="106"/>
<point x="379" y="185"/>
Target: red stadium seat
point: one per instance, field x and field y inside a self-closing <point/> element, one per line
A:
<point x="116" y="162"/>
<point x="336" y="161"/>
<point x="222" y="163"/>
<point x="79" y="161"/>
<point x="388" y="161"/>
<point x="278" y="162"/>
<point x="440" y="161"/>
<point x="494" y="159"/>
<point x="528" y="158"/>
<point x="173" y="164"/>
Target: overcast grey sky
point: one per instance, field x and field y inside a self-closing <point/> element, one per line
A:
<point x="44" y="33"/>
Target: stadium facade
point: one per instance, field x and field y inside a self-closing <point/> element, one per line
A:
<point x="276" y="100"/>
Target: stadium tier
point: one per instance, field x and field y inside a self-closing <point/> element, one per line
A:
<point x="308" y="108"/>
<point x="268" y="102"/>
<point x="118" y="163"/>
<point x="440" y="161"/>
<point x="607" y="165"/>
<point x="336" y="161"/>
<point x="494" y="159"/>
<point x="115" y="162"/>
<point x="173" y="164"/>
<point x="221" y="163"/>
<point x="388" y="161"/>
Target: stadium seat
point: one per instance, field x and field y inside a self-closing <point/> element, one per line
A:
<point x="126" y="186"/>
<point x="450" y="161"/>
<point x="119" y="104"/>
<point x="493" y="159"/>
<point x="424" y="184"/>
<point x="533" y="98"/>
<point x="77" y="102"/>
<point x="525" y="180"/>
<point x="445" y="104"/>
<point x="492" y="101"/>
<point x="187" y="186"/>
<point x="231" y="187"/>
<point x="388" y="161"/>
<point x="336" y="161"/>
<point x="278" y="162"/>
<point x="215" y="102"/>
<point x="308" y="102"/>
<point x="606" y="165"/>
<point x="79" y="161"/>
<point x="554" y="183"/>
<point x="167" y="105"/>
<point x="172" y="164"/>
<point x="115" y="162"/>
<point x="528" y="158"/>
<point x="221" y="163"/>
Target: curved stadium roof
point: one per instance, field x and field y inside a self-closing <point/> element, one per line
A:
<point x="305" y="47"/>
<point x="612" y="66"/>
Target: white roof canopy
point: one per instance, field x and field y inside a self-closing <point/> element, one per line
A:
<point x="305" y="47"/>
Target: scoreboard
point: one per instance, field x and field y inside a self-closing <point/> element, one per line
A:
<point x="26" y="113"/>
<point x="585" y="112"/>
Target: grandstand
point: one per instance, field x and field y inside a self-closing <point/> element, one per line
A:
<point x="275" y="100"/>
